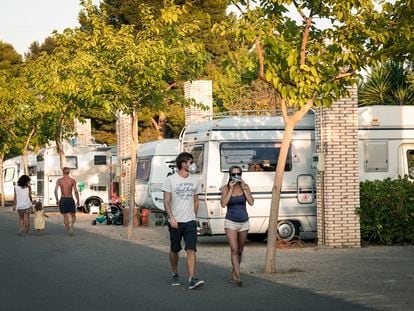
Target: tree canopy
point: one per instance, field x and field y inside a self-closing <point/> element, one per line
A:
<point x="399" y="29"/>
<point x="306" y="66"/>
<point x="9" y="58"/>
<point x="203" y="13"/>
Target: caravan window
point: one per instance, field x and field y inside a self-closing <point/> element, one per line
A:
<point x="410" y="161"/>
<point x="32" y="170"/>
<point x="99" y="160"/>
<point x="198" y="155"/>
<point x="257" y="156"/>
<point x="72" y="162"/>
<point x="143" y="169"/>
<point x="376" y="156"/>
<point x="8" y="174"/>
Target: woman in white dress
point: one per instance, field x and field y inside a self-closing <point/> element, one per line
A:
<point x="23" y="203"/>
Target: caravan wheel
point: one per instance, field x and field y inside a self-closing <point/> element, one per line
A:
<point x="92" y="204"/>
<point x="287" y="230"/>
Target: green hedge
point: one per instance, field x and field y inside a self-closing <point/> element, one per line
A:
<point x="387" y="211"/>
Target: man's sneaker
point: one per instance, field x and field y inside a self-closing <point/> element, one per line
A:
<point x="175" y="280"/>
<point x="195" y="283"/>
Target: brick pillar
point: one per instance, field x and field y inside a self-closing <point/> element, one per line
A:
<point x="202" y="92"/>
<point x="83" y="131"/>
<point x="124" y="138"/>
<point x="336" y="130"/>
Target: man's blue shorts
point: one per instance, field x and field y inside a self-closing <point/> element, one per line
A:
<point x="67" y="205"/>
<point x="186" y="230"/>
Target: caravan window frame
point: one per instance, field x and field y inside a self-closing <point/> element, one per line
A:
<point x="197" y="151"/>
<point x="100" y="159"/>
<point x="70" y="160"/>
<point x="254" y="161"/>
<point x="32" y="171"/>
<point x="143" y="173"/>
<point x="5" y="174"/>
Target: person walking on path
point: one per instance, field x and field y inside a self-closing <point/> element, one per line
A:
<point x="40" y="218"/>
<point x="22" y="203"/>
<point x="236" y="223"/>
<point x="66" y="203"/>
<point x="181" y="204"/>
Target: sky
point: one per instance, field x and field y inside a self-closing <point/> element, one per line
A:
<point x="24" y="21"/>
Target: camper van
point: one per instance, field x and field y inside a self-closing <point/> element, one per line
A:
<point x="253" y="143"/>
<point x="13" y="168"/>
<point x="156" y="160"/>
<point x="93" y="168"/>
<point x="386" y="142"/>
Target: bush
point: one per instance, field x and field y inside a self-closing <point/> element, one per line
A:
<point x="387" y="211"/>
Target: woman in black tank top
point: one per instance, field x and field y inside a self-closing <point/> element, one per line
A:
<point x="236" y="224"/>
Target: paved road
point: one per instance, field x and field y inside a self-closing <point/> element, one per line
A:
<point x="92" y="272"/>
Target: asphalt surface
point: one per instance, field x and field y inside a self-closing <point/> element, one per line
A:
<point x="97" y="269"/>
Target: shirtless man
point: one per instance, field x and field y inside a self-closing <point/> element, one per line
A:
<point x="67" y="203"/>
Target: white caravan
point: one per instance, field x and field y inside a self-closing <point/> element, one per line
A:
<point x="253" y="143"/>
<point x="93" y="168"/>
<point x="13" y="168"/>
<point x="386" y="142"/>
<point x="156" y="160"/>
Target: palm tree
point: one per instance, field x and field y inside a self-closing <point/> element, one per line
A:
<point x="388" y="84"/>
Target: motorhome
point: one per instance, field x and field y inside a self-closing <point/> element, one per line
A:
<point x="93" y="168"/>
<point x="253" y="143"/>
<point x="13" y="168"/>
<point x="156" y="160"/>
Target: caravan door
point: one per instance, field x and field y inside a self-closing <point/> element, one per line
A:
<point x="407" y="160"/>
<point x="51" y="200"/>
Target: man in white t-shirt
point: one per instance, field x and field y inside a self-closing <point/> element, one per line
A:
<point x="181" y="204"/>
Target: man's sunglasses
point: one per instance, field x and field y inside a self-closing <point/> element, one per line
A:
<point x="235" y="174"/>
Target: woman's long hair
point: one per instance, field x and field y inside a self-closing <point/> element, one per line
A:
<point x="24" y="181"/>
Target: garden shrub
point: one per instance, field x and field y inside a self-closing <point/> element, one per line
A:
<point x="387" y="211"/>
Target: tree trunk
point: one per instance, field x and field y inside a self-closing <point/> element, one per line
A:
<point x="1" y="181"/>
<point x="59" y="145"/>
<point x="62" y="158"/>
<point x="290" y="123"/>
<point x="270" y="263"/>
<point x="25" y="153"/>
<point x="162" y="123"/>
<point x="134" y="147"/>
<point x="25" y="162"/>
